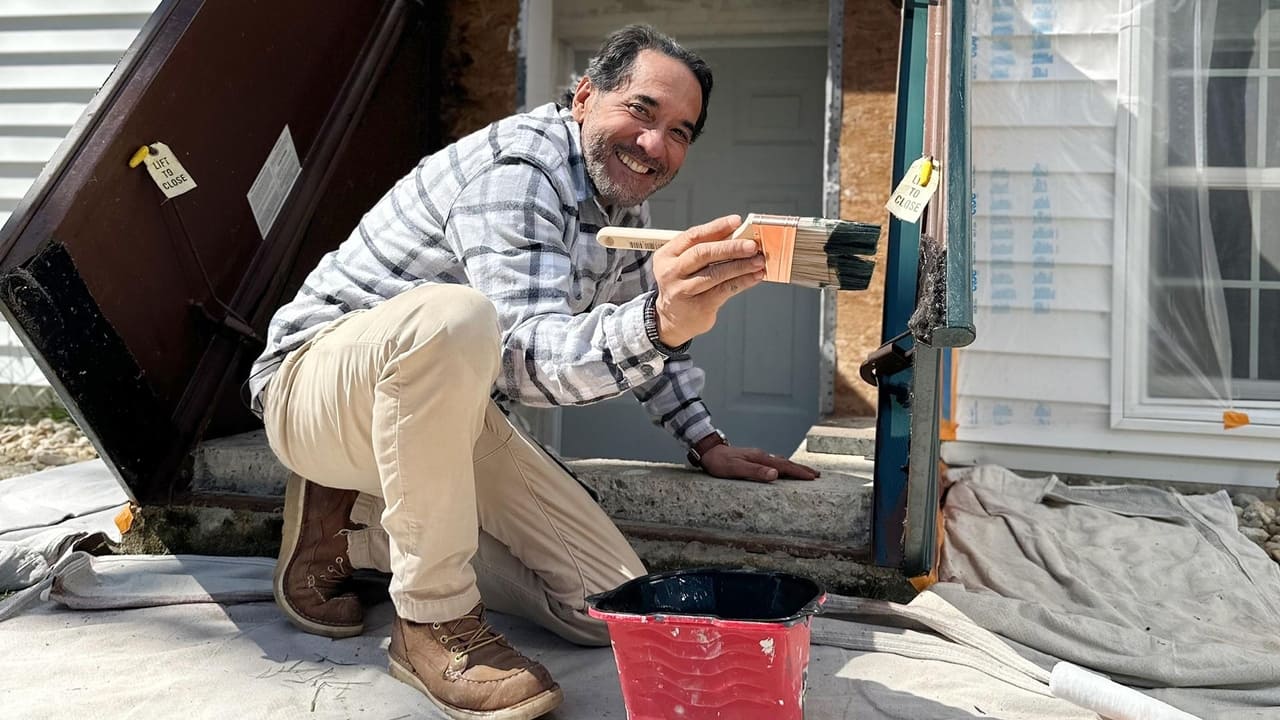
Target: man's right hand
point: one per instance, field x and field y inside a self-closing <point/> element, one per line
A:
<point x="697" y="272"/>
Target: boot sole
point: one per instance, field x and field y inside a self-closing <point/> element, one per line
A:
<point x="535" y="707"/>
<point x="295" y="496"/>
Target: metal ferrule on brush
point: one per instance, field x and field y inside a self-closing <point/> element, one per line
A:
<point x="814" y="252"/>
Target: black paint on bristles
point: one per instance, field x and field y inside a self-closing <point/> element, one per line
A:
<point x="834" y="253"/>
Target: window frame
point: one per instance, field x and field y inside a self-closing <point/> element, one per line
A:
<point x="1132" y="406"/>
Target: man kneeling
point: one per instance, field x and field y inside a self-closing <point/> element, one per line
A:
<point x="476" y="282"/>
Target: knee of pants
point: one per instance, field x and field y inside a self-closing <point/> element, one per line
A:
<point x="458" y="321"/>
<point x="585" y="630"/>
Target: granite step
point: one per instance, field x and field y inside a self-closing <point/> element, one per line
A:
<point x="843" y="436"/>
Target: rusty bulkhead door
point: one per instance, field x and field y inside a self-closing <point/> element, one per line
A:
<point x="145" y="311"/>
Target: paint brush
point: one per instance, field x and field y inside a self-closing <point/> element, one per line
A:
<point x="811" y="252"/>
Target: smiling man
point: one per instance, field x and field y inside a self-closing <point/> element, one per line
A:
<point x="474" y="283"/>
<point x="634" y="145"/>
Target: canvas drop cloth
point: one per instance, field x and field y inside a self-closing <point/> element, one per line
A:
<point x="1083" y="574"/>
<point x="169" y="639"/>
<point x="1156" y="590"/>
<point x="44" y="516"/>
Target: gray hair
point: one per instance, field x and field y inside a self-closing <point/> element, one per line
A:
<point x="611" y="67"/>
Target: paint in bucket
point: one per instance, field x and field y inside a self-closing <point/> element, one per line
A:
<point x="711" y="643"/>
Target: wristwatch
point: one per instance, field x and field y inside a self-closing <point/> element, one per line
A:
<point x="701" y="447"/>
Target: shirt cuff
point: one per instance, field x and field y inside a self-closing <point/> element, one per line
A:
<point x="697" y="431"/>
<point x="651" y="329"/>
<point x="633" y="353"/>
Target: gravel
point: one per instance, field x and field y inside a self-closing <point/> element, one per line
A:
<point x="30" y="447"/>
<point x="1260" y="522"/>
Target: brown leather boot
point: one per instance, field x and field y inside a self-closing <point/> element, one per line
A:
<point x="468" y="670"/>
<point x="312" y="570"/>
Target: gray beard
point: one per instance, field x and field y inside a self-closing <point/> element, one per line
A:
<point x="598" y="153"/>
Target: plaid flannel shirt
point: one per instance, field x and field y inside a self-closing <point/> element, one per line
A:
<point x="509" y="210"/>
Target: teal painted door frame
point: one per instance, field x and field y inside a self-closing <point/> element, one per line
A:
<point x="906" y="471"/>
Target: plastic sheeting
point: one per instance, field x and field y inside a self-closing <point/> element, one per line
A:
<point x="1211" y="257"/>
<point x="1126" y="170"/>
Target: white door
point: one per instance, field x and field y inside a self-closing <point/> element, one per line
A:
<point x="761" y="152"/>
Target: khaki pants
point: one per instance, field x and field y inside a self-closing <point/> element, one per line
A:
<point x="394" y="402"/>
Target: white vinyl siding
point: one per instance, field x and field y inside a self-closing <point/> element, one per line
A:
<point x="1034" y="392"/>
<point x="54" y="55"/>
<point x="1043" y="123"/>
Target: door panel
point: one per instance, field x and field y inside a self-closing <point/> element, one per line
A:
<point x="761" y="152"/>
<point x="144" y="312"/>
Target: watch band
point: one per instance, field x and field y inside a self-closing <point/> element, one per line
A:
<point x="651" y="330"/>
<point x="701" y="447"/>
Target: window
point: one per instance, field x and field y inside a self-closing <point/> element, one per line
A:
<point x="1199" y="231"/>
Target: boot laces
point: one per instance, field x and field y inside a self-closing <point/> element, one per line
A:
<point x="465" y="641"/>
<point x="334" y="574"/>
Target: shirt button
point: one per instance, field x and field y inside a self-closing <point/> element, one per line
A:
<point x="646" y="371"/>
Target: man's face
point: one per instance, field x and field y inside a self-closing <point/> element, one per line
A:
<point x="636" y="135"/>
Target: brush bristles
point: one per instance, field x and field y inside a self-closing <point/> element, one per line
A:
<point x="834" y="253"/>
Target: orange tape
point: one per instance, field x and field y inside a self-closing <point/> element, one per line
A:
<point x="124" y="519"/>
<point x="947" y="430"/>
<point x="948" y="426"/>
<point x="922" y="582"/>
<point x="1232" y="419"/>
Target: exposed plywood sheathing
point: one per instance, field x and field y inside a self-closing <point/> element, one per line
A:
<point x="479" y="82"/>
<point x="866" y="162"/>
<point x="696" y="23"/>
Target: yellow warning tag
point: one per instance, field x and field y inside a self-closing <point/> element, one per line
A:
<point x="167" y="172"/>
<point x="914" y="191"/>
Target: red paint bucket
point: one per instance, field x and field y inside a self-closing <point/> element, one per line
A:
<point x="711" y="643"/>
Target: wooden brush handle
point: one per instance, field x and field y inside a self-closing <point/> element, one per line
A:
<point x="625" y="238"/>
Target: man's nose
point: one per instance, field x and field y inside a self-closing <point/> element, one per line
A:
<point x="651" y="141"/>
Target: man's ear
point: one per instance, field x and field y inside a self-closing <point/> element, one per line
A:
<point x="580" y="95"/>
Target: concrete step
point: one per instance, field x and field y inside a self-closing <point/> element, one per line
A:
<point x="674" y="516"/>
<point x="238" y="465"/>
<point x="835" y="508"/>
<point x="843" y="436"/>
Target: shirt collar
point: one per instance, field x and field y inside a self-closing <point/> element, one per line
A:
<point x="582" y="185"/>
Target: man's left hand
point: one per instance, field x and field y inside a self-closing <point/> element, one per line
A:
<point x="742" y="463"/>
